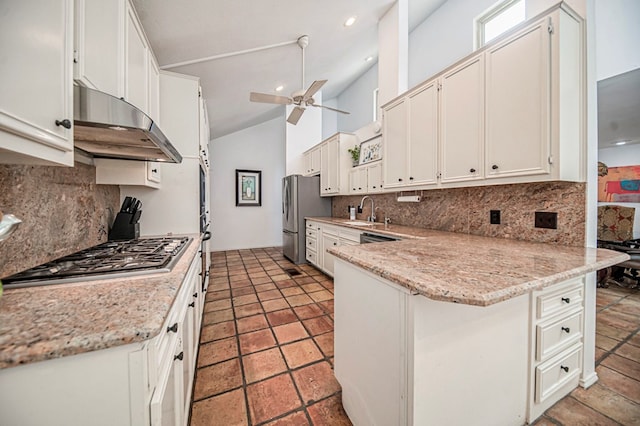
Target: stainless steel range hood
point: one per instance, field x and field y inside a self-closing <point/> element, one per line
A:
<point x="109" y="127"/>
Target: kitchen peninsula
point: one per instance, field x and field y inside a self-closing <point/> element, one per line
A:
<point x="459" y="329"/>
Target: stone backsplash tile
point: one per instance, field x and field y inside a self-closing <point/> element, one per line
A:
<point x="466" y="210"/>
<point x="62" y="211"/>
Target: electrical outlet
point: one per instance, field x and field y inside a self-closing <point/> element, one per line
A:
<point x="494" y="217"/>
<point x="547" y="220"/>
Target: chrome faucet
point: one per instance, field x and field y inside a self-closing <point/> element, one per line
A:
<point x="371" y="218"/>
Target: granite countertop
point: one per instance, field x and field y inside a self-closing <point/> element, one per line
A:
<point x="40" y="323"/>
<point x="469" y="269"/>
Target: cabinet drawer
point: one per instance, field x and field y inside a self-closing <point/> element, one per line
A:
<point x="557" y="372"/>
<point x="350" y="235"/>
<point x="311" y="225"/>
<point x="312" y="233"/>
<point x="554" y="336"/>
<point x="312" y="257"/>
<point x="312" y="243"/>
<point x="563" y="299"/>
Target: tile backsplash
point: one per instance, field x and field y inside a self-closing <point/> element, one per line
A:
<point x="466" y="210"/>
<point x="62" y="211"/>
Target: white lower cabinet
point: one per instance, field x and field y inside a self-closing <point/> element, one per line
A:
<point x="320" y="237"/>
<point x="144" y="383"/>
<point x="432" y="357"/>
<point x="556" y="344"/>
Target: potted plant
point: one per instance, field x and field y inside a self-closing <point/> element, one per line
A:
<point x="355" y="154"/>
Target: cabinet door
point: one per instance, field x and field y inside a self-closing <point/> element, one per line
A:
<point x="166" y="403"/>
<point x="518" y="96"/>
<point x="395" y="144"/>
<point x="136" y="62"/>
<point x="36" y="88"/>
<point x="306" y="159"/>
<point x="423" y="136"/>
<point x="99" y="45"/>
<point x="374" y="177"/>
<point x="315" y="161"/>
<point x="461" y="122"/>
<point x="358" y="180"/>
<point x="328" y="241"/>
<point x="329" y="167"/>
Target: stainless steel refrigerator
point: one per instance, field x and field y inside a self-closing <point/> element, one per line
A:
<point x="300" y="199"/>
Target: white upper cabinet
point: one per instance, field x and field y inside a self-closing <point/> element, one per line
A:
<point x="462" y="115"/>
<point x="153" y="92"/>
<point x="374" y="177"/>
<point x="394" y="146"/>
<point x="423" y="136"/>
<point x="510" y="113"/>
<point x="99" y="45"/>
<point x="518" y="78"/>
<point x="36" y="89"/>
<point x="312" y="161"/>
<point x="330" y="167"/>
<point x="136" y="62"/>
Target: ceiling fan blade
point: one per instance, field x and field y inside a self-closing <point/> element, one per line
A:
<point x="315" y="86"/>
<point x="295" y="115"/>
<point x="332" y="109"/>
<point x="269" y="99"/>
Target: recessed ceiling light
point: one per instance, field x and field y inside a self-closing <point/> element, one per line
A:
<point x="368" y="59"/>
<point x="349" y="22"/>
<point x="279" y="88"/>
<point x="621" y="143"/>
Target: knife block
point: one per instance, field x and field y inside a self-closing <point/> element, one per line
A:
<point x="123" y="229"/>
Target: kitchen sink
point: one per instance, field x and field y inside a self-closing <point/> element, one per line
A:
<point x="358" y="223"/>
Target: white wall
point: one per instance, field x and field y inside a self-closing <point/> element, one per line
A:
<point x="329" y="118"/>
<point x="358" y="100"/>
<point x="261" y="147"/>
<point x="623" y="156"/>
<point x="617" y="37"/>
<point x="443" y="38"/>
<point x="305" y="134"/>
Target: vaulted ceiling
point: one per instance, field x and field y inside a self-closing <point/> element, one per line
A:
<point x="188" y="30"/>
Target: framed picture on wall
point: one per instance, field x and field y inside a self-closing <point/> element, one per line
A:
<point x="248" y="188"/>
<point x="371" y="150"/>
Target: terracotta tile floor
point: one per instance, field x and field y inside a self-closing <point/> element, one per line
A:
<point x="266" y="350"/>
<point x="266" y="345"/>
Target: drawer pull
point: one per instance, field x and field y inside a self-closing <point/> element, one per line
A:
<point x="566" y="369"/>
<point x="566" y="329"/>
<point x="173" y="328"/>
<point x="566" y="300"/>
<point x="192" y="304"/>
<point x="180" y="356"/>
<point x="195" y="295"/>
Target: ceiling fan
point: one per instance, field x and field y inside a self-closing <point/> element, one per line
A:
<point x="301" y="98"/>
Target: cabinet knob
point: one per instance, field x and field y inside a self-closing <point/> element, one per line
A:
<point x="359" y="188"/>
<point x="154" y="170"/>
<point x="180" y="356"/>
<point x="472" y="170"/>
<point x="566" y="329"/>
<point x="399" y="179"/>
<point x="374" y="187"/>
<point x="192" y="304"/>
<point x="494" y="167"/>
<point x="64" y="123"/>
<point x="410" y="177"/>
<point x="173" y="328"/>
<point x="353" y="189"/>
<point x="566" y="300"/>
<point x="335" y="244"/>
<point x="566" y="369"/>
<point x="195" y="295"/>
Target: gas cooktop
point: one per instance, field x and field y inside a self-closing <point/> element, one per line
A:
<point x="112" y="259"/>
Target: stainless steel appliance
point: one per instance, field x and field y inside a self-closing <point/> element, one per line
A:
<point x="109" y="127"/>
<point x="367" y="237"/>
<point x="112" y="259"/>
<point x="300" y="198"/>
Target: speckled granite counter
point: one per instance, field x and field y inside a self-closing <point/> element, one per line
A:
<point x="469" y="269"/>
<point x="40" y="323"/>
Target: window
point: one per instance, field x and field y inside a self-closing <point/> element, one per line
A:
<point x="500" y="18"/>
